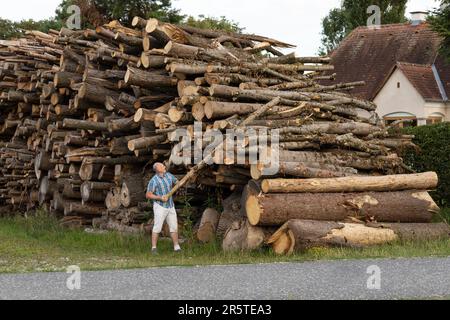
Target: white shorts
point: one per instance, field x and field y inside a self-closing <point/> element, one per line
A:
<point x="161" y="215"/>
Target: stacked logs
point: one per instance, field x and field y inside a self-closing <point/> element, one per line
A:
<point x="350" y="211"/>
<point x="85" y="114"/>
<point x="23" y="63"/>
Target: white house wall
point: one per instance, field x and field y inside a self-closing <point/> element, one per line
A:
<point x="404" y="99"/>
<point x="433" y="108"/>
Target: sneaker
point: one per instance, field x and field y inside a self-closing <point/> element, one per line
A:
<point x="154" y="252"/>
<point x="178" y="250"/>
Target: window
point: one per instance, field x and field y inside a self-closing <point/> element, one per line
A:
<point x="434" y="120"/>
<point x="402" y="122"/>
<point x="398" y="85"/>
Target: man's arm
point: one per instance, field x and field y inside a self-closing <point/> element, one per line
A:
<point x="150" y="195"/>
<point x="174" y="179"/>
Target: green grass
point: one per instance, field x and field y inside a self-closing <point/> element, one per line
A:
<point x="445" y="215"/>
<point x="38" y="244"/>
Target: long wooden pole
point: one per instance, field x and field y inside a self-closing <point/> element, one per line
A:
<point x="421" y="181"/>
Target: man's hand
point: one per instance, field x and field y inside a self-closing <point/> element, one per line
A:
<point x="164" y="198"/>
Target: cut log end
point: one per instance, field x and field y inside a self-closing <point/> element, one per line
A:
<point x="256" y="172"/>
<point x="253" y="210"/>
<point x="146" y="43"/>
<point x="152" y="24"/>
<point x="175" y="115"/>
<point x="138" y="115"/>
<point x="127" y="76"/>
<point x="145" y="60"/>
<point x="135" y="22"/>
<point x="168" y="47"/>
<point x="198" y="111"/>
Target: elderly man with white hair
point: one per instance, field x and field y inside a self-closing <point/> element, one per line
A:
<point x="163" y="207"/>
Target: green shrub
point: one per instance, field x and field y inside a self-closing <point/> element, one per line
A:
<point x="434" y="155"/>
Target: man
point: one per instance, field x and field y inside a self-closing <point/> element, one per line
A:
<point x="163" y="207"/>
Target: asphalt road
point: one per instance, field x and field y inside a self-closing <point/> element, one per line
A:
<point x="398" y="279"/>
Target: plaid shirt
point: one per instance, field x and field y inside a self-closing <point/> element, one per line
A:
<point x="162" y="186"/>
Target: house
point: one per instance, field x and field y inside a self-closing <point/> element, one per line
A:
<point x="404" y="74"/>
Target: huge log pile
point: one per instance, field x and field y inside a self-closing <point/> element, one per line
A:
<point x="85" y="114"/>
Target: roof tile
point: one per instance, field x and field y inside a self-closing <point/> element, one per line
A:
<point x="371" y="54"/>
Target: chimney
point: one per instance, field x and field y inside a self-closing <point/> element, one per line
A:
<point x="417" y="17"/>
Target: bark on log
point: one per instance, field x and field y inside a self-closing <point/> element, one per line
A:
<point x="208" y="226"/>
<point x="231" y="212"/>
<point x="84" y="125"/>
<point x="132" y="192"/>
<point x="90" y="194"/>
<point x="404" y="206"/>
<point x="300" y="235"/>
<point x="244" y="237"/>
<point x="95" y="93"/>
<point x="304" y="170"/>
<point x="148" y="79"/>
<point x="113" y="199"/>
<point x="221" y="110"/>
<point x="422" y="181"/>
<point x="144" y="143"/>
<point x="75" y="208"/>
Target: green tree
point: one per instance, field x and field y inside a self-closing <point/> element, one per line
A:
<point x="221" y="23"/>
<point x="352" y="14"/>
<point x="41" y="25"/>
<point x="97" y="12"/>
<point x="440" y="22"/>
<point x="8" y="29"/>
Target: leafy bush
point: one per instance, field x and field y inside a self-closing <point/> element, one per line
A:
<point x="434" y="155"/>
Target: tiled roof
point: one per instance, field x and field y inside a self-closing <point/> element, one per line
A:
<point x="443" y="68"/>
<point x="423" y="79"/>
<point x="372" y="54"/>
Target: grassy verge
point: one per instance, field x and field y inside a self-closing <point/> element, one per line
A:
<point x="39" y="244"/>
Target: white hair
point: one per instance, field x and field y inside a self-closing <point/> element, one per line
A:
<point x="155" y="166"/>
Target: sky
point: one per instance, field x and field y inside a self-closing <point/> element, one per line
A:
<point x="294" y="21"/>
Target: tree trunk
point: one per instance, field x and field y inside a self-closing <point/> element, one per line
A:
<point x="148" y="79"/>
<point x="84" y="125"/>
<point x="422" y="181"/>
<point x="90" y="194"/>
<point x="95" y="93"/>
<point x="244" y="237"/>
<point x="113" y="199"/>
<point x="208" y="226"/>
<point x="133" y="192"/>
<point x="89" y="171"/>
<point x="350" y="160"/>
<point x="405" y="206"/>
<point x="144" y="143"/>
<point x="123" y="125"/>
<point x="231" y="212"/>
<point x="299" y="235"/>
<point x="304" y="170"/>
<point x="119" y="146"/>
<point x="222" y="110"/>
<point x="75" y="208"/>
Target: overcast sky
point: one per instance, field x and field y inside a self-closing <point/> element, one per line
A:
<point x="294" y="21"/>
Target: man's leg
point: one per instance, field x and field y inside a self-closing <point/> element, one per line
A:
<point x="172" y="221"/>
<point x="160" y="217"/>
<point x="155" y="238"/>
